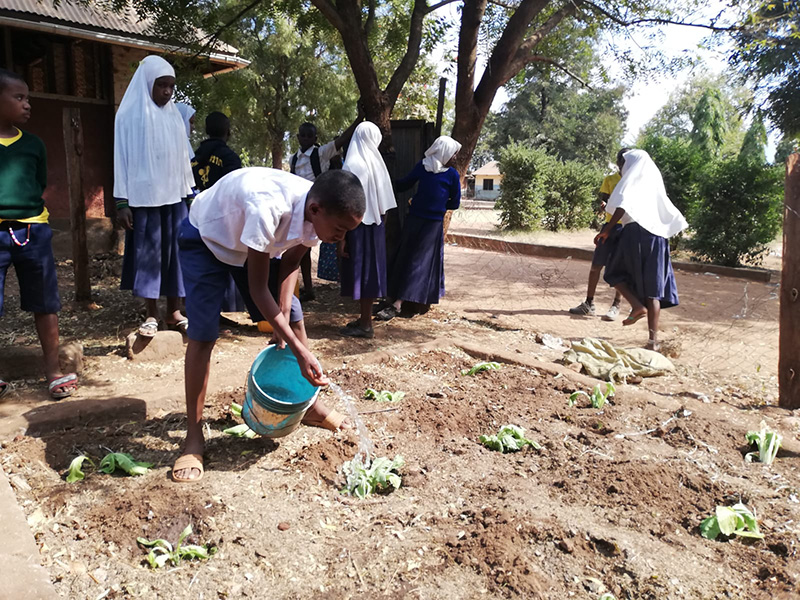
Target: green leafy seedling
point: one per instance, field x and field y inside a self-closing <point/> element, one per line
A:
<point x="480" y="367"/>
<point x="384" y="396"/>
<point x="242" y="431"/>
<point x="125" y="462"/>
<point x="363" y="479"/>
<point x="75" y="472"/>
<point x="236" y="409"/>
<point x="729" y="521"/>
<point x="768" y="443"/>
<point x="607" y="596"/>
<point x="598" y="398"/>
<point x="510" y="438"/>
<point x="162" y="552"/>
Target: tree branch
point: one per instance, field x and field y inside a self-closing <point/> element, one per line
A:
<point x="526" y="47"/>
<point x="370" y="23"/>
<point x="409" y="61"/>
<point x="559" y="66"/>
<point x="215" y="36"/>
<point x="659" y="21"/>
<point x="329" y="11"/>
<point x="438" y="5"/>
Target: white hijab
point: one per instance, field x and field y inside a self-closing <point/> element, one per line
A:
<point x="439" y="154"/>
<point x="642" y="195"/>
<point x="151" y="158"/>
<point x="365" y="162"/>
<point x="187" y="112"/>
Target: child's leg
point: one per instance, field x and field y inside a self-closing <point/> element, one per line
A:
<point x="196" y="370"/>
<point x="594" y="277"/>
<point x="637" y="308"/>
<point x="151" y="308"/>
<point x="305" y="271"/>
<point x="174" y="314"/>
<point x="653" y="314"/>
<point x="366" y="312"/>
<point x="47" y="328"/>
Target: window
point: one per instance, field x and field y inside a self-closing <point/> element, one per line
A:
<point x="488" y="185"/>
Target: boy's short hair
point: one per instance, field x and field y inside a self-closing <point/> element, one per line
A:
<point x="217" y="124"/>
<point x="340" y="193"/>
<point x="6" y="76"/>
<point x="309" y="127"/>
<point x="621" y="157"/>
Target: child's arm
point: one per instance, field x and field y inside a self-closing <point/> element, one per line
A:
<point x="258" y="278"/>
<point x="407" y="182"/>
<point x="603" y="235"/>
<point x="344" y="139"/>
<point x="455" y="193"/>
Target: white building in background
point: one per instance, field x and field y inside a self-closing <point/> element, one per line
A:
<point x="487" y="181"/>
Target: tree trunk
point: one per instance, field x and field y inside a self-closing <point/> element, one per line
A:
<point x="277" y="153"/>
<point x="788" y="357"/>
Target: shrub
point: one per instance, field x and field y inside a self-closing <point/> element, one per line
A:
<point x="541" y="191"/>
<point x="681" y="165"/>
<point x="739" y="213"/>
<point x="520" y="200"/>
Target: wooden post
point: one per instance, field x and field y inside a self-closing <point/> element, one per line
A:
<point x="789" y="350"/>
<point x="440" y="107"/>
<point x="73" y="149"/>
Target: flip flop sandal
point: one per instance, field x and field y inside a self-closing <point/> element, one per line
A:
<point x="631" y="320"/>
<point x="182" y="326"/>
<point x="332" y="422"/>
<point x="188" y="461"/>
<point x="148" y="329"/>
<point x="61" y="382"/>
<point x="387" y="314"/>
<point x="5" y="387"/>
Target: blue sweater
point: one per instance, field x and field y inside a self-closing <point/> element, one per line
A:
<point x="437" y="192"/>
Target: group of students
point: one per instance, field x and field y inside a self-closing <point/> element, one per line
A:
<point x="198" y="226"/>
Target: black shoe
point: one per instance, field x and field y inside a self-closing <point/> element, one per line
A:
<point x="307" y="296"/>
<point x="386" y="314"/>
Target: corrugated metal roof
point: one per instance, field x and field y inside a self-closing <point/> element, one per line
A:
<point x="490" y="168"/>
<point x="94" y="15"/>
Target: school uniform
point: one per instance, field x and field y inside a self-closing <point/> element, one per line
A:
<point x="152" y="177"/>
<point x="640" y="257"/>
<point x="363" y="270"/>
<point x="25" y="235"/>
<point x="256" y="207"/>
<point x="310" y="165"/>
<point x="418" y="267"/>
<point x="601" y="251"/>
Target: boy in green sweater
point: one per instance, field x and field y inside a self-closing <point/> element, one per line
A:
<point x="25" y="235"/>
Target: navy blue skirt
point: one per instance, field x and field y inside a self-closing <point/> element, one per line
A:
<point x="363" y="272"/>
<point x="150" y="267"/>
<point x="641" y="260"/>
<point x="328" y="263"/>
<point x="417" y="273"/>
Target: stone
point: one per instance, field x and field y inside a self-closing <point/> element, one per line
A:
<point x="70" y="357"/>
<point x="163" y="346"/>
<point x="283" y="526"/>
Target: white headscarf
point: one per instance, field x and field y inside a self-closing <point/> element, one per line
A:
<point x="642" y="195"/>
<point x="365" y="162"/>
<point x="151" y="159"/>
<point x="440" y="153"/>
<point x="187" y="112"/>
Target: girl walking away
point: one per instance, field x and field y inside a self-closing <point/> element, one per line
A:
<point x="363" y="252"/>
<point x="152" y="180"/>
<point x="417" y="273"/>
<point x="639" y="266"/>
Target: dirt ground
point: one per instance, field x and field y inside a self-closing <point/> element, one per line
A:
<point x="612" y="502"/>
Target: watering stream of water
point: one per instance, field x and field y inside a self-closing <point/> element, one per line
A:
<point x="365" y="447"/>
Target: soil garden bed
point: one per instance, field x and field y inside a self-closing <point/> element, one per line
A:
<point x="611" y="503"/>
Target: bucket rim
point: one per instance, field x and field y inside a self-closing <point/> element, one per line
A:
<point x="261" y="390"/>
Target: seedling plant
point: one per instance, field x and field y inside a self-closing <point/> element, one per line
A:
<point x="242" y="431"/>
<point x="110" y="463"/>
<point x="384" y="396"/>
<point x="379" y="476"/>
<point x="510" y="438"/>
<point x="768" y="443"/>
<point x="162" y="552"/>
<point x="598" y="398"/>
<point x="75" y="471"/>
<point x="480" y="367"/>
<point x="729" y="521"/>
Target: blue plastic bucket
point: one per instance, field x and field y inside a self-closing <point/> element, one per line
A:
<point x="277" y="395"/>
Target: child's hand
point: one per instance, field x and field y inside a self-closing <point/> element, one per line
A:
<point x="310" y="368"/>
<point x="125" y="218"/>
<point x="340" y="250"/>
<point x="601" y="237"/>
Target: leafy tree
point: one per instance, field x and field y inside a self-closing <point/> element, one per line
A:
<point x="767" y="54"/>
<point x="681" y="164"/>
<point x="784" y="148"/>
<point x="740" y="211"/>
<point x="754" y="147"/>
<point x="555" y="111"/>
<point x="708" y="121"/>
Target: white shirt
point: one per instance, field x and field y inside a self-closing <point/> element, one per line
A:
<point x="303" y="167"/>
<point x="256" y="207"/>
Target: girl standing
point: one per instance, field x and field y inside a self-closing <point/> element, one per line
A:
<point x="152" y="177"/>
<point x="639" y="265"/>
<point x="187" y="113"/>
<point x="363" y="252"/>
<point x="418" y="268"/>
